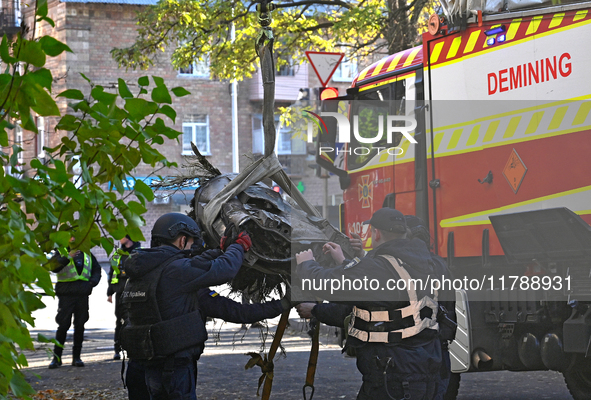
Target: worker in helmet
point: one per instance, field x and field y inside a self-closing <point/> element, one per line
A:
<point x="117" y="280"/>
<point x="166" y="331"/>
<point x="394" y="331"/>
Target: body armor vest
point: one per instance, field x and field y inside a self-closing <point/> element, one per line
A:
<point x="69" y="273"/>
<point x="394" y="325"/>
<point x="147" y="336"/>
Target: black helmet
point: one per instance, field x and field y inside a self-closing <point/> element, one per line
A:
<point x="170" y="225"/>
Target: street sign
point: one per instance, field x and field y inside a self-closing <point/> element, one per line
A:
<point x="324" y="64"/>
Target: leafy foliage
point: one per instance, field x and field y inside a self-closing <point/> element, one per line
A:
<point x="77" y="192"/>
<point x="200" y="30"/>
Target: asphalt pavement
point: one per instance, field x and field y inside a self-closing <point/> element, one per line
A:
<point x="221" y="368"/>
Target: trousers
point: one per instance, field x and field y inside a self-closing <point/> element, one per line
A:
<point x="68" y="307"/>
<point x="174" y="383"/>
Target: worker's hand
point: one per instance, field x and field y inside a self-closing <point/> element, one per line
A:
<point x="110" y="299"/>
<point x="335" y="252"/>
<point x="356" y="244"/>
<point x="74" y="253"/>
<point x="244" y="240"/>
<point x="306" y="255"/>
<point x="305" y="310"/>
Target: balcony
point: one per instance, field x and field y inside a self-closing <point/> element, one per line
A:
<point x="10" y="18"/>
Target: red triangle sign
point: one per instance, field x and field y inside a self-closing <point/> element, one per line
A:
<point x="324" y="64"/>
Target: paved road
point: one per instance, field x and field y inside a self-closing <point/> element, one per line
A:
<point x="221" y="368"/>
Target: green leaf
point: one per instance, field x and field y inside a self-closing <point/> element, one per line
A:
<point x="98" y="93"/>
<point x="53" y="47"/>
<point x="74" y="94"/>
<point x="124" y="91"/>
<point x="32" y="53"/>
<point x="42" y="77"/>
<point x="180" y="91"/>
<point x="143" y="81"/>
<point x="4" y="53"/>
<point x="140" y="108"/>
<point x="41" y="8"/>
<point x="160" y="94"/>
<point x="62" y="238"/>
<point x="143" y="189"/>
<point x="158" y="81"/>
<point x="19" y="386"/>
<point x="107" y="244"/>
<point x="169" y="112"/>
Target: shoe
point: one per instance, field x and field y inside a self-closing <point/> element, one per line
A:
<point x="55" y="363"/>
<point x="77" y="362"/>
<point x="116" y="356"/>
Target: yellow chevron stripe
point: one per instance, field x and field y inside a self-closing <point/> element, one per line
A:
<point x="582" y="113"/>
<point x="411" y="57"/>
<point x="512" y="127"/>
<point x="473" y="136"/>
<point x="455" y="221"/>
<point x="455" y="45"/>
<point x="513" y="28"/>
<point x="534" y="123"/>
<point x="378" y="68"/>
<point x="363" y="74"/>
<point x="580" y="15"/>
<point x="437" y="140"/>
<point x="472" y="41"/>
<point x="436" y="52"/>
<point x="455" y="139"/>
<point x="558" y="117"/>
<point x="556" y="20"/>
<point x="534" y="25"/>
<point x="495" y="48"/>
<point x="490" y="132"/>
<point x="394" y="63"/>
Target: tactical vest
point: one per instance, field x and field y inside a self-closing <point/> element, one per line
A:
<point x="147" y="336"/>
<point x="394" y="325"/>
<point x="69" y="273"/>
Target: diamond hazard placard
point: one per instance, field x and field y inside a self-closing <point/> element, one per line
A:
<point x="514" y="171"/>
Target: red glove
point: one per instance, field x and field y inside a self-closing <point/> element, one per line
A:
<point x="244" y="241"/>
<point x="223" y="241"/>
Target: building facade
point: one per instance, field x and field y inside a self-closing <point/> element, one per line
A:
<point x="91" y="28"/>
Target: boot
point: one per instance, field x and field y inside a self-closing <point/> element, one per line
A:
<point x="56" y="362"/>
<point x="76" y="361"/>
<point x="57" y="358"/>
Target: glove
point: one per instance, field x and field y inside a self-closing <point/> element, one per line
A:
<point x="244" y="241"/>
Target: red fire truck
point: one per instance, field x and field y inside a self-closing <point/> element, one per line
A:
<point x="500" y="171"/>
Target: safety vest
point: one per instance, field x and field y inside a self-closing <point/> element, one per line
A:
<point x="69" y="273"/>
<point x="394" y="325"/>
<point x="115" y="263"/>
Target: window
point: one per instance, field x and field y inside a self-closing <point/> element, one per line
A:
<point x="18" y="140"/>
<point x="346" y="70"/>
<point x="196" y="130"/>
<point x="41" y="137"/>
<point x="199" y="68"/>
<point x="285" y="143"/>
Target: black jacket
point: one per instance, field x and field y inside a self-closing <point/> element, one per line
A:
<point x="180" y="278"/>
<point x="118" y="287"/>
<point x="77" y="288"/>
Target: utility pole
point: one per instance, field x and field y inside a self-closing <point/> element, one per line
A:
<point x="235" y="150"/>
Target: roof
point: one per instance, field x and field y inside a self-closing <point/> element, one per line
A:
<point x="132" y="2"/>
<point x="390" y="65"/>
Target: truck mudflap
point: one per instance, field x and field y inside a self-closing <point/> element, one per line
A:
<point x="459" y="349"/>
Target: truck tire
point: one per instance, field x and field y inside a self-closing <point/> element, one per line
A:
<point x="578" y="378"/>
<point x="453" y="387"/>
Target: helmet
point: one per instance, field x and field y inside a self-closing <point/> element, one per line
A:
<point x="170" y="225"/>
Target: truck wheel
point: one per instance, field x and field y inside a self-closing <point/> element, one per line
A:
<point x="578" y="378"/>
<point x="453" y="387"/>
